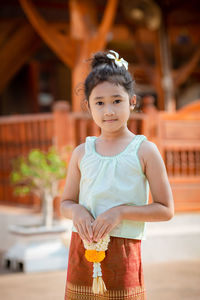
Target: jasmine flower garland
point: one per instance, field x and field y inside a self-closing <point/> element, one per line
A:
<point x="95" y="252"/>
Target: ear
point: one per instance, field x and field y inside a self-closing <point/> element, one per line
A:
<point x="133" y="100"/>
<point x="87" y="105"/>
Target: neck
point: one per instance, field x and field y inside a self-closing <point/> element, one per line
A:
<point x="111" y="136"/>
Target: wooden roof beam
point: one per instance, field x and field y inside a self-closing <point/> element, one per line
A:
<point x="139" y="50"/>
<point x="62" y="45"/>
<point x="86" y="36"/>
<point x="24" y="42"/>
<point x="83" y="19"/>
<point x="100" y="40"/>
<point x="6" y="28"/>
<point x="185" y="71"/>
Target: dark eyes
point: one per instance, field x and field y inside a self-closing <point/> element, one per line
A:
<point x="101" y="103"/>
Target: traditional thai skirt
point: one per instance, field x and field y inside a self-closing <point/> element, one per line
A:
<point x="121" y="271"/>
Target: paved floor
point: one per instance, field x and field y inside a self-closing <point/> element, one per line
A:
<point x="177" y="281"/>
<point x="164" y="281"/>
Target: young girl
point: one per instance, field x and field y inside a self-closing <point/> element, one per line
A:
<point x="107" y="187"/>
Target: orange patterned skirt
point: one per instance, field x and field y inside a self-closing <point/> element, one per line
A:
<point x="121" y="271"/>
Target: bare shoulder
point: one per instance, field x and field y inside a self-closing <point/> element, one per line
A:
<point x="79" y="152"/>
<point x="148" y="148"/>
<point x="148" y="152"/>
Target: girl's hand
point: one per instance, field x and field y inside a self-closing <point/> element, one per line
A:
<point x="82" y="221"/>
<point x="105" y="222"/>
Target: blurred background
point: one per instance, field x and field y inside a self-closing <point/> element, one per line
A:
<point x="44" y="51"/>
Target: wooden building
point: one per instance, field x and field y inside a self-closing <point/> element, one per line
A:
<point x="44" y="51"/>
<point x="44" y="45"/>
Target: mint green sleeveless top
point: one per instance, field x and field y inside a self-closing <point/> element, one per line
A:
<point x="109" y="181"/>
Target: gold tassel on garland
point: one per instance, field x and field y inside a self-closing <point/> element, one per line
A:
<point x="95" y="252"/>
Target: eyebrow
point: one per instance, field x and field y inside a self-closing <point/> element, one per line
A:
<point x="113" y="96"/>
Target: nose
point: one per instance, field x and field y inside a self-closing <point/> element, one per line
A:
<point x="109" y="111"/>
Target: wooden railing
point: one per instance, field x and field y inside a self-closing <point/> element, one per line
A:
<point x="177" y="136"/>
<point x="85" y="126"/>
<point x="182" y="162"/>
<point x="73" y="127"/>
<point x="20" y="134"/>
<point x="179" y="144"/>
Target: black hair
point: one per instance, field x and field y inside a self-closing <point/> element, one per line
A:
<point x="105" y="69"/>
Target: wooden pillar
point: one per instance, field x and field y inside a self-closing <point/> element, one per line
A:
<point x="164" y="79"/>
<point x="149" y="108"/>
<point x="64" y="135"/>
<point x="90" y="37"/>
<point x="167" y="80"/>
<point x="64" y="131"/>
<point x="79" y="73"/>
<point x="158" y="73"/>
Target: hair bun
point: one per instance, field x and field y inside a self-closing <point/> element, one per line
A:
<point x="100" y="58"/>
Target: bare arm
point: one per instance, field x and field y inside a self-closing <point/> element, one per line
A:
<point x="70" y="207"/>
<point x="69" y="199"/>
<point x="162" y="208"/>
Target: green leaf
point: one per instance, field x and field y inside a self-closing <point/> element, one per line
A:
<point x="22" y="190"/>
<point x="37" y="171"/>
<point x="15" y="177"/>
<point x="36" y="156"/>
<point x="25" y="169"/>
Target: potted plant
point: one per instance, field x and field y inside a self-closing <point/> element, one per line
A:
<point x="39" y="247"/>
<point x="39" y="173"/>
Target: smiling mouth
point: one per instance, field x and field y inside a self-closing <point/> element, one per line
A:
<point x="110" y="120"/>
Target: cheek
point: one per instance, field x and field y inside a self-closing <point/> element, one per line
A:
<point x="96" y="115"/>
<point x="124" y="110"/>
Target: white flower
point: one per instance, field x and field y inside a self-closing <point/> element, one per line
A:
<point x="111" y="56"/>
<point x="101" y="245"/>
<point x="119" y="62"/>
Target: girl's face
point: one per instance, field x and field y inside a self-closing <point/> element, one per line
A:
<point x="109" y="105"/>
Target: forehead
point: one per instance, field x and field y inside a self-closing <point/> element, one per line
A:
<point x="108" y="89"/>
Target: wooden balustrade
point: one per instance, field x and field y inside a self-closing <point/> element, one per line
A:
<point x="18" y="135"/>
<point x="177" y="136"/>
<point x="182" y="162"/>
<point x="179" y="144"/>
<point x="73" y="127"/>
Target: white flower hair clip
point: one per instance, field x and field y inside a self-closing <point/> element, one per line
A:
<point x="119" y="62"/>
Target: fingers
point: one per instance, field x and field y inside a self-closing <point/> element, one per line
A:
<point x="82" y="220"/>
<point x="89" y="230"/>
<point x="85" y="231"/>
<point x="101" y="232"/>
<point x="92" y="235"/>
